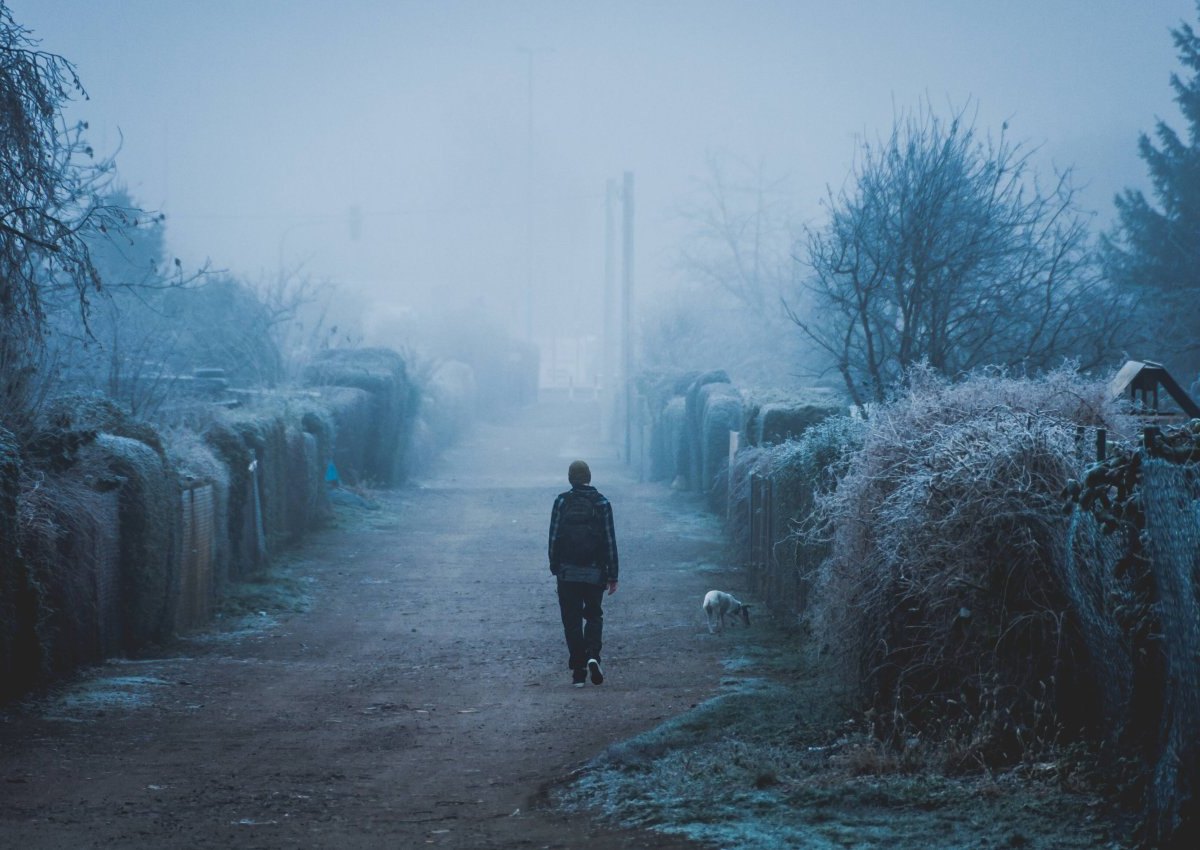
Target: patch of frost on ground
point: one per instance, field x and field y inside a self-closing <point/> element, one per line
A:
<point x="99" y="693"/>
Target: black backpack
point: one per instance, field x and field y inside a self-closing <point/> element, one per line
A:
<point x="579" y="532"/>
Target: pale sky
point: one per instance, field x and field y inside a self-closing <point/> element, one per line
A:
<point x="256" y="125"/>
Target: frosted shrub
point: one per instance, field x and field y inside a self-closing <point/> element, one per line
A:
<point x="942" y="587"/>
<point x="800" y="468"/>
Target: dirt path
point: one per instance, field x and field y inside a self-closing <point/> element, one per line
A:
<point x="422" y="700"/>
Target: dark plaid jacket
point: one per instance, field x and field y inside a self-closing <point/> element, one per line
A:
<point x="605" y="566"/>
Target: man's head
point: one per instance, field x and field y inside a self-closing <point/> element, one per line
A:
<point x="578" y="473"/>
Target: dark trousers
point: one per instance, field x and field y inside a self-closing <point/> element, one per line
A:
<point x="580" y="602"/>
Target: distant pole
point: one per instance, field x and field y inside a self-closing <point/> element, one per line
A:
<point x="529" y="172"/>
<point x="609" y="362"/>
<point x="529" y="200"/>
<point x="627" y="310"/>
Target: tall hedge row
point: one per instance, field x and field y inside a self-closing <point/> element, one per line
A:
<point x="690" y="416"/>
<point x="391" y="402"/>
<point x="19" y="660"/>
<point x="114" y="536"/>
<point x="989" y="590"/>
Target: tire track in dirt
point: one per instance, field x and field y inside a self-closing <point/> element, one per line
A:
<point x="422" y="701"/>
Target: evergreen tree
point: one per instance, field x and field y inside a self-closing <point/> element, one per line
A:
<point x="1154" y="252"/>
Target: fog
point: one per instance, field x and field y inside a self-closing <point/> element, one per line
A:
<point x="407" y="150"/>
<point x="277" y="460"/>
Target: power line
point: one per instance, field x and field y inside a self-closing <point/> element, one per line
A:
<point x="561" y="200"/>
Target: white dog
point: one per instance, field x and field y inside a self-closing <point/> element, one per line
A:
<point x="718" y="603"/>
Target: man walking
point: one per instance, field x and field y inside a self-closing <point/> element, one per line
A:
<point x="583" y="556"/>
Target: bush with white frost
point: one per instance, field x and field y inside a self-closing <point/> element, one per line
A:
<point x="943" y="591"/>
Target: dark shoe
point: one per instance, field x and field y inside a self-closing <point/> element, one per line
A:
<point x="597" y="673"/>
<point x="579" y="677"/>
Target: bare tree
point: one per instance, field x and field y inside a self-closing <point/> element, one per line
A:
<point x="296" y="316"/>
<point x="50" y="188"/>
<point x="149" y="330"/>
<point x="943" y="248"/>
<point x="741" y="235"/>
<point x="736" y="265"/>
<point x="126" y="345"/>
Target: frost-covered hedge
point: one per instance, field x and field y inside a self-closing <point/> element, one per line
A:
<point x="391" y="403"/>
<point x="97" y="554"/>
<point x="695" y="403"/>
<point x="720" y="414"/>
<point x="115" y="535"/>
<point x="147" y="506"/>
<point x="685" y="419"/>
<point x="113" y="551"/>
<point x="19" y="662"/>
<point x="778" y="417"/>
<point x="67" y="520"/>
<point x="933" y="553"/>
<point x="944" y="589"/>
<point x="663" y="403"/>
<point x="690" y="415"/>
<point x="784" y="565"/>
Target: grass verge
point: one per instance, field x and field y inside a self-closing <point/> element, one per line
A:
<point x="776" y="760"/>
<point x="256" y="604"/>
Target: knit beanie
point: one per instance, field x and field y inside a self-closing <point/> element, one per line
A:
<point x="578" y="473"/>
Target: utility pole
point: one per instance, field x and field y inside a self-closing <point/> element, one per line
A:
<point x="627" y="310"/>
<point x="528" y="318"/>
<point x="609" y="368"/>
<point x="529" y="206"/>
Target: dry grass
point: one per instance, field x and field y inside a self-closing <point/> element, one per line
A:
<point x="943" y="592"/>
<point x="771" y="762"/>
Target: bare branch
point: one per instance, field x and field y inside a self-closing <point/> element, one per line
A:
<point x="941" y="249"/>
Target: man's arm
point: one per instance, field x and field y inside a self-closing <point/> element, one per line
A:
<point x="612" y="565"/>
<point x="554" y="516"/>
